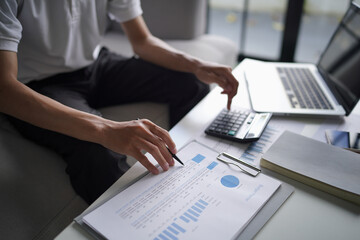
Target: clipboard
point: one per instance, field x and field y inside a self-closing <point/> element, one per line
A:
<point x="264" y="214"/>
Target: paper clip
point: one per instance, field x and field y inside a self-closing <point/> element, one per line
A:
<point x="257" y="170"/>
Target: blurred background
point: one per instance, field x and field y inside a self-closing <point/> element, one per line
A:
<point x="262" y="28"/>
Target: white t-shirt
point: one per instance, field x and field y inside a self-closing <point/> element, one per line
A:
<point x="56" y="36"/>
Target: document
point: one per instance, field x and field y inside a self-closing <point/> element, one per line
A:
<point x="205" y="199"/>
<point x="248" y="152"/>
<point x="253" y="152"/>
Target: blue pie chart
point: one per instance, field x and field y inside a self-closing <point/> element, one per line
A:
<point x="230" y="181"/>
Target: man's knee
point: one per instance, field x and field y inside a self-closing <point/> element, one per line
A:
<point x="187" y="92"/>
<point x="187" y="87"/>
<point x="203" y="89"/>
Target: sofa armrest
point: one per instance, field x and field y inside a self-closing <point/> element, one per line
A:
<point x="173" y="19"/>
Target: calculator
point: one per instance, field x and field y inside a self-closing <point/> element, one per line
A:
<point x="238" y="124"/>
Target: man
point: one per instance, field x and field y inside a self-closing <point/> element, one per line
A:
<point x="52" y="78"/>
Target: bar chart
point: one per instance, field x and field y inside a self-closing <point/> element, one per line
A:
<point x="249" y="152"/>
<point x="256" y="149"/>
<point x="179" y="226"/>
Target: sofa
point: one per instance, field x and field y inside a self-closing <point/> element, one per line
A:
<point x="37" y="200"/>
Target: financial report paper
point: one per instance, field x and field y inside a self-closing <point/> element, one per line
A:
<point x="203" y="199"/>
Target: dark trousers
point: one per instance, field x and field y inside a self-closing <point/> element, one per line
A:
<point x="111" y="80"/>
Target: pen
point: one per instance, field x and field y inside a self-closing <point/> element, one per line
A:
<point x="175" y="157"/>
<point x="172" y="154"/>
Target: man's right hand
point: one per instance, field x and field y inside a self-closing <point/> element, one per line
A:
<point x="134" y="137"/>
<point x="130" y="138"/>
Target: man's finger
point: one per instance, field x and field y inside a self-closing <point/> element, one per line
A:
<point x="154" y="141"/>
<point x="146" y="163"/>
<point x="157" y="154"/>
<point x="164" y="136"/>
<point x="229" y="103"/>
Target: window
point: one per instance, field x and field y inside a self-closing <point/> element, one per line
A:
<point x="257" y="26"/>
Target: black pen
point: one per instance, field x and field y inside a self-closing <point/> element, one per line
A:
<point x="175" y="157"/>
<point x="172" y="154"/>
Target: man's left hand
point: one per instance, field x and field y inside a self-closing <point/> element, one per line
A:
<point x="221" y="75"/>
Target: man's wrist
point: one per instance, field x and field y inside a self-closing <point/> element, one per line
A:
<point x="193" y="65"/>
<point x="100" y="129"/>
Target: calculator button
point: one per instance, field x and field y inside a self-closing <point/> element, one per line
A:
<point x="231" y="133"/>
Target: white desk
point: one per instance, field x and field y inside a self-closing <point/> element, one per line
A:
<point x="307" y="214"/>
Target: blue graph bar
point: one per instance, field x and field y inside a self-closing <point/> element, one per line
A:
<point x="191" y="217"/>
<point x="203" y="202"/>
<point x="200" y="206"/>
<point x="258" y="143"/>
<point x="196" y="209"/>
<point x="167" y="233"/>
<point x="178" y="227"/>
<point x="184" y="219"/>
<point x="270" y="129"/>
<point x="248" y="154"/>
<point x="247" y="158"/>
<point x="266" y="136"/>
<point x="264" y="140"/>
<point x="255" y="148"/>
<point x="173" y="230"/>
<point x="212" y="165"/>
<point x="198" y="158"/>
<point x="193" y="213"/>
<point x="163" y="237"/>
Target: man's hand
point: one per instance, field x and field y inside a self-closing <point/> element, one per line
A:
<point x="134" y="137"/>
<point x="221" y="75"/>
<point x="130" y="138"/>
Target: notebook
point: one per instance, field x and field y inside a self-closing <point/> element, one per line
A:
<point x="331" y="87"/>
<point x="320" y="165"/>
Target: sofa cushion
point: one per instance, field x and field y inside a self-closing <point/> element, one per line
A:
<point x="207" y="47"/>
<point x="156" y="112"/>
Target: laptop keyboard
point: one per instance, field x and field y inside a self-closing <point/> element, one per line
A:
<point x="302" y="89"/>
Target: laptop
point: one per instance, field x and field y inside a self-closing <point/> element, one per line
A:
<point x="329" y="88"/>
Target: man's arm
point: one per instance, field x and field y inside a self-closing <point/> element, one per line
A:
<point x="154" y="50"/>
<point x="18" y="100"/>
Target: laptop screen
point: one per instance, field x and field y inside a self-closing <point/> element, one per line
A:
<point x="340" y="62"/>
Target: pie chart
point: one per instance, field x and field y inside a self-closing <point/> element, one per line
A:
<point x="230" y="181"/>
